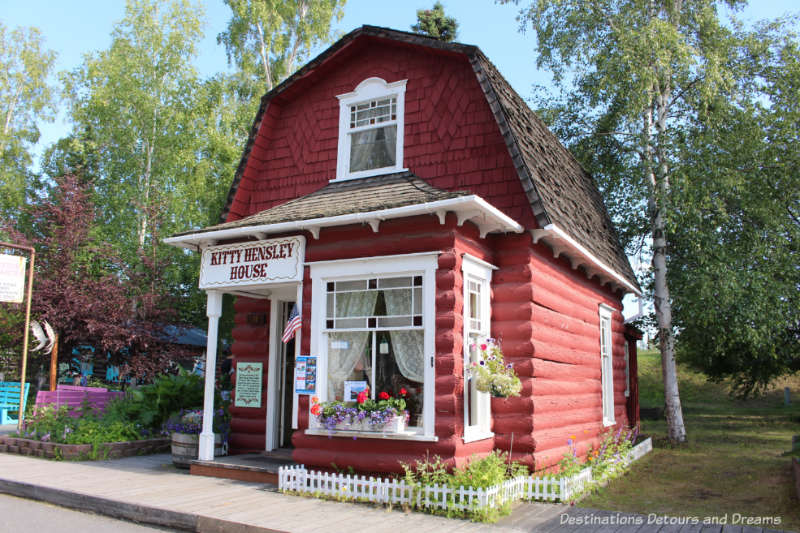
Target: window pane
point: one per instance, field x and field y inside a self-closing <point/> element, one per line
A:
<point x="417" y="301"/>
<point x="390" y="283"/>
<point x="349" y="359"/>
<point x="355" y="285"/>
<point x="394" y="321"/>
<point x="471" y="401"/>
<point x="373" y="148"/>
<point x="373" y="112"/>
<point x="399" y="364"/>
<point x="352" y="304"/>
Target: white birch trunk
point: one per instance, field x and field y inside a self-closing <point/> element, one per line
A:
<point x="659" y="182"/>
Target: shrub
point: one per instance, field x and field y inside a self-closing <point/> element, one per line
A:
<point x="151" y="405"/>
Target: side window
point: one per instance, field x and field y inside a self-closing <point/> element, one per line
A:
<point x="477" y="317"/>
<point x="606" y="365"/>
<point x="627" y="370"/>
<point x="371" y="129"/>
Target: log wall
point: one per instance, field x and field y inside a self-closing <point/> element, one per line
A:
<point x="250" y="344"/>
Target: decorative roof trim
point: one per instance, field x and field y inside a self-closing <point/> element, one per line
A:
<point x="473" y="208"/>
<point x="562" y="244"/>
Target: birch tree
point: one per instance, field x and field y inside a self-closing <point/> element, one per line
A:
<point x="26" y="97"/>
<point x="136" y="100"/>
<point x="269" y="39"/>
<point x="636" y="72"/>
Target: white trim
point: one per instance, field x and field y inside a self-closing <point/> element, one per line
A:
<point x="564" y="243"/>
<point x="627" y="370"/>
<point x="606" y="309"/>
<point x="206" y="438"/>
<point x="606" y="364"/>
<point x="370" y="89"/>
<point x="426" y="264"/>
<point x="272" y="381"/>
<point x="409" y="435"/>
<point x="480" y="262"/>
<point x="480" y="271"/>
<point x="369" y="259"/>
<point x="484" y="215"/>
<point x="298" y="339"/>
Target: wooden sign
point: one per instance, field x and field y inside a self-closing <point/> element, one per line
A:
<point x="12" y="278"/>
<point x="253" y="263"/>
<point x="248" y="384"/>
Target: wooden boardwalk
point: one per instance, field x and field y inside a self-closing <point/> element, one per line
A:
<point x="149" y="489"/>
<point x="154" y="487"/>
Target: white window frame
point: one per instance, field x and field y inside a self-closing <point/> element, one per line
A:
<point x="607" y="364"/>
<point x="424" y="264"/>
<point x="627" y="370"/>
<point x="474" y="269"/>
<point x="369" y="89"/>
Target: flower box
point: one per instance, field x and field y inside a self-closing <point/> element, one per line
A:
<point x="396" y="424"/>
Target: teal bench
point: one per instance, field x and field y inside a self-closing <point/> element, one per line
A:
<point x="9" y="400"/>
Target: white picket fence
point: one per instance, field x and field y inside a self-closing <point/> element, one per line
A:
<point x="391" y="491"/>
<point x="300" y="480"/>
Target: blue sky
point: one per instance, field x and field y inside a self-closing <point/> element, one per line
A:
<point x="74" y="28"/>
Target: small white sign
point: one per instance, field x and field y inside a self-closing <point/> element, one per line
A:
<point x="12" y="278"/>
<point x="253" y="263"/>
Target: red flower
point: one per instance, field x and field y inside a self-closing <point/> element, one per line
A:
<point x="483" y="347"/>
<point x="362" y="396"/>
<point x="384" y="395"/>
<point x="403" y="392"/>
<point x="315" y="409"/>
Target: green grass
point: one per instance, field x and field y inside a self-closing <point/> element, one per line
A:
<point x="733" y="462"/>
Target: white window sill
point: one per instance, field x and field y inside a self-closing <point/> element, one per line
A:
<point x="406" y="435"/>
<point x="472" y="436"/>
<point x="369" y="174"/>
<point x="607" y="422"/>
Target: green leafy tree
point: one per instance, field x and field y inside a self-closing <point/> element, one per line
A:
<point x="267" y="39"/>
<point x="435" y="23"/>
<point x="25" y="98"/>
<point x="135" y="97"/>
<point x="736" y="237"/>
<point x="634" y="76"/>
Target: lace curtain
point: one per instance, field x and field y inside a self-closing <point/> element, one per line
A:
<point x="342" y="362"/>
<point x="407" y="344"/>
<point x="373" y="148"/>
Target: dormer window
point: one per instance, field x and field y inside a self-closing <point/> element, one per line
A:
<point x="371" y="129"/>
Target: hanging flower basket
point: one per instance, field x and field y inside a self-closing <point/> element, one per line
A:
<point x="492" y="374"/>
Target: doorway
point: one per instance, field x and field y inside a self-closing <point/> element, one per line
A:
<point x="285" y="379"/>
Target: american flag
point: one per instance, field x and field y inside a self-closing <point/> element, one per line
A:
<point x="295" y="323"/>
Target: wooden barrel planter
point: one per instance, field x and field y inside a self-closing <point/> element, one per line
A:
<point x="185" y="448"/>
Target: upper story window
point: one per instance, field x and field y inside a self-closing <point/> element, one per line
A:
<point x="371" y="129"/>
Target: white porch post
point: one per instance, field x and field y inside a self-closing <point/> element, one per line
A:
<point x="206" y="441"/>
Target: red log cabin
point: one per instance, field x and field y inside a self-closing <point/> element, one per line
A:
<point x="404" y="197"/>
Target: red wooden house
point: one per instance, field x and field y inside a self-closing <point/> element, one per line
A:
<point x="407" y="199"/>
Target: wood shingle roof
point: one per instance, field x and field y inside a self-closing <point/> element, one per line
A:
<point x="560" y="192"/>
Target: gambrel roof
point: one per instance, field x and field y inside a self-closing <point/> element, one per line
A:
<point x="564" y="198"/>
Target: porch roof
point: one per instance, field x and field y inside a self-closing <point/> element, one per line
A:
<point x="364" y="201"/>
